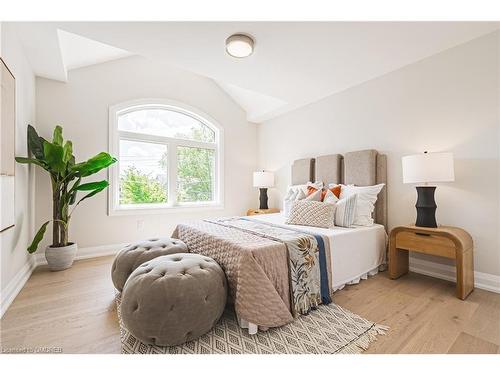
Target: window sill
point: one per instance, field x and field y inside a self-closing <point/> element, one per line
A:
<point x="162" y="210"/>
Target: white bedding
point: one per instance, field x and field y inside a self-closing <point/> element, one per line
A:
<point x="355" y="252"/>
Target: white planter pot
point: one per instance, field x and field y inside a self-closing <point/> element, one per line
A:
<point x="60" y="258"/>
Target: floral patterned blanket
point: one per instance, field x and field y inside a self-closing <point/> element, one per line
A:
<point x="306" y="261"/>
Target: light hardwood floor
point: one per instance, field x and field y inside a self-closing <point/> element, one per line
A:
<point x="74" y="310"/>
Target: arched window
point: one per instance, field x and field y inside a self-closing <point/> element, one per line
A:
<point x="169" y="156"/>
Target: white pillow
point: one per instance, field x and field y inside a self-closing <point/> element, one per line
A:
<point x="367" y="196"/>
<point x="302" y="187"/>
<point x="318" y="185"/>
<point x="287" y="206"/>
<point x="330" y="197"/>
<point x="300" y="195"/>
<point x="294" y="193"/>
<point x="345" y="212"/>
<point x="316" y="196"/>
<point x="289" y="194"/>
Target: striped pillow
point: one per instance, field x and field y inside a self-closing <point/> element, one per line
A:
<point x="346" y="211"/>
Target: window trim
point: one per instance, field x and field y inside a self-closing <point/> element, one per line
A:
<point x="114" y="208"/>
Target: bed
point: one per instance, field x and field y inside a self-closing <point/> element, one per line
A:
<point x="356" y="253"/>
<point x="277" y="271"/>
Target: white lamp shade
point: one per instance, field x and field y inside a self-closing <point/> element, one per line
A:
<point x="428" y="167"/>
<point x="263" y="179"/>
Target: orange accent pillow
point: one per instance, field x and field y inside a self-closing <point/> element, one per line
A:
<point x="311" y="190"/>
<point x="335" y="190"/>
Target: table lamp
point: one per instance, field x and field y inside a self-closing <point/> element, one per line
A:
<point x="423" y="169"/>
<point x="263" y="180"/>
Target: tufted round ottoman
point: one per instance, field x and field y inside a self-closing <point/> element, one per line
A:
<point x="174" y="298"/>
<point x="133" y="255"/>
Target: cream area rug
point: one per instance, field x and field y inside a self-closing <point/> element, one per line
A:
<point x="330" y="329"/>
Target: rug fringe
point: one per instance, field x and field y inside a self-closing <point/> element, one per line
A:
<point x="362" y="343"/>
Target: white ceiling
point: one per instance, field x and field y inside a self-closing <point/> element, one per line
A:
<point x="294" y="63"/>
<point x="78" y="51"/>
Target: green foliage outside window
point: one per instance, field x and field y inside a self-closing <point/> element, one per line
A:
<point x="137" y="187"/>
<point x="195" y="171"/>
<point x="194" y="174"/>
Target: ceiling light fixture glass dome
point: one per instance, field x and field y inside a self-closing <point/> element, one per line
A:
<point x="239" y="45"/>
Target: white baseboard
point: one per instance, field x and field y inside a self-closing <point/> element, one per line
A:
<point x="17" y="283"/>
<point x="482" y="280"/>
<point x="86" y="252"/>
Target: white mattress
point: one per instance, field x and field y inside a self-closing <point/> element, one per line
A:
<point x="355" y="252"/>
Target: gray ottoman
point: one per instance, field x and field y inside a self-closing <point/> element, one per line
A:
<point x="133" y="255"/>
<point x="173" y="299"/>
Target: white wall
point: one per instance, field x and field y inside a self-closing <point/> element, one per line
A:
<point x="81" y="107"/>
<point x="15" y="262"/>
<point x="447" y="102"/>
<point x="498" y="125"/>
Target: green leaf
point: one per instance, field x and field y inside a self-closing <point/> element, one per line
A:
<point x="30" y="161"/>
<point x="38" y="237"/>
<point x="68" y="151"/>
<point x="35" y="143"/>
<point x="58" y="138"/>
<point x="91" y="194"/>
<point x="93" y="186"/>
<point x="54" y="157"/>
<point x="94" y="164"/>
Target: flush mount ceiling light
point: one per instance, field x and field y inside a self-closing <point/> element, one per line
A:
<point x="239" y="45"/>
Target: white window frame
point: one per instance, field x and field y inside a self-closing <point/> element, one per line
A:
<point x="115" y="135"/>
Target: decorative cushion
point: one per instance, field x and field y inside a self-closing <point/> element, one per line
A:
<point x="133" y="255"/>
<point x="312" y="213"/>
<point x="315" y="196"/>
<point x="295" y="192"/>
<point x="335" y="189"/>
<point x="289" y="194"/>
<point x="330" y="197"/>
<point x="313" y="186"/>
<point x="296" y="188"/>
<point x="300" y="195"/>
<point x="173" y="299"/>
<point x="346" y="211"/>
<point x="287" y="203"/>
<point x="311" y="191"/>
<point x="367" y="196"/>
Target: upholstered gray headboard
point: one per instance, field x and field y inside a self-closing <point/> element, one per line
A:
<point x="329" y="168"/>
<point x="303" y="171"/>
<point x="368" y="167"/>
<point x="362" y="168"/>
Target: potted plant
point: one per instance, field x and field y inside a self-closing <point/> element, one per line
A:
<point x="66" y="176"/>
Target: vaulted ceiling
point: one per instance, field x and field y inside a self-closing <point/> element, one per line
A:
<point x="294" y="63"/>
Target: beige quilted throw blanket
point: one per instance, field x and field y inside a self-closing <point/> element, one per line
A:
<point x="273" y="273"/>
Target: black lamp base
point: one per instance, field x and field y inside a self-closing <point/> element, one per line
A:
<point x="426" y="207"/>
<point x="263" y="199"/>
